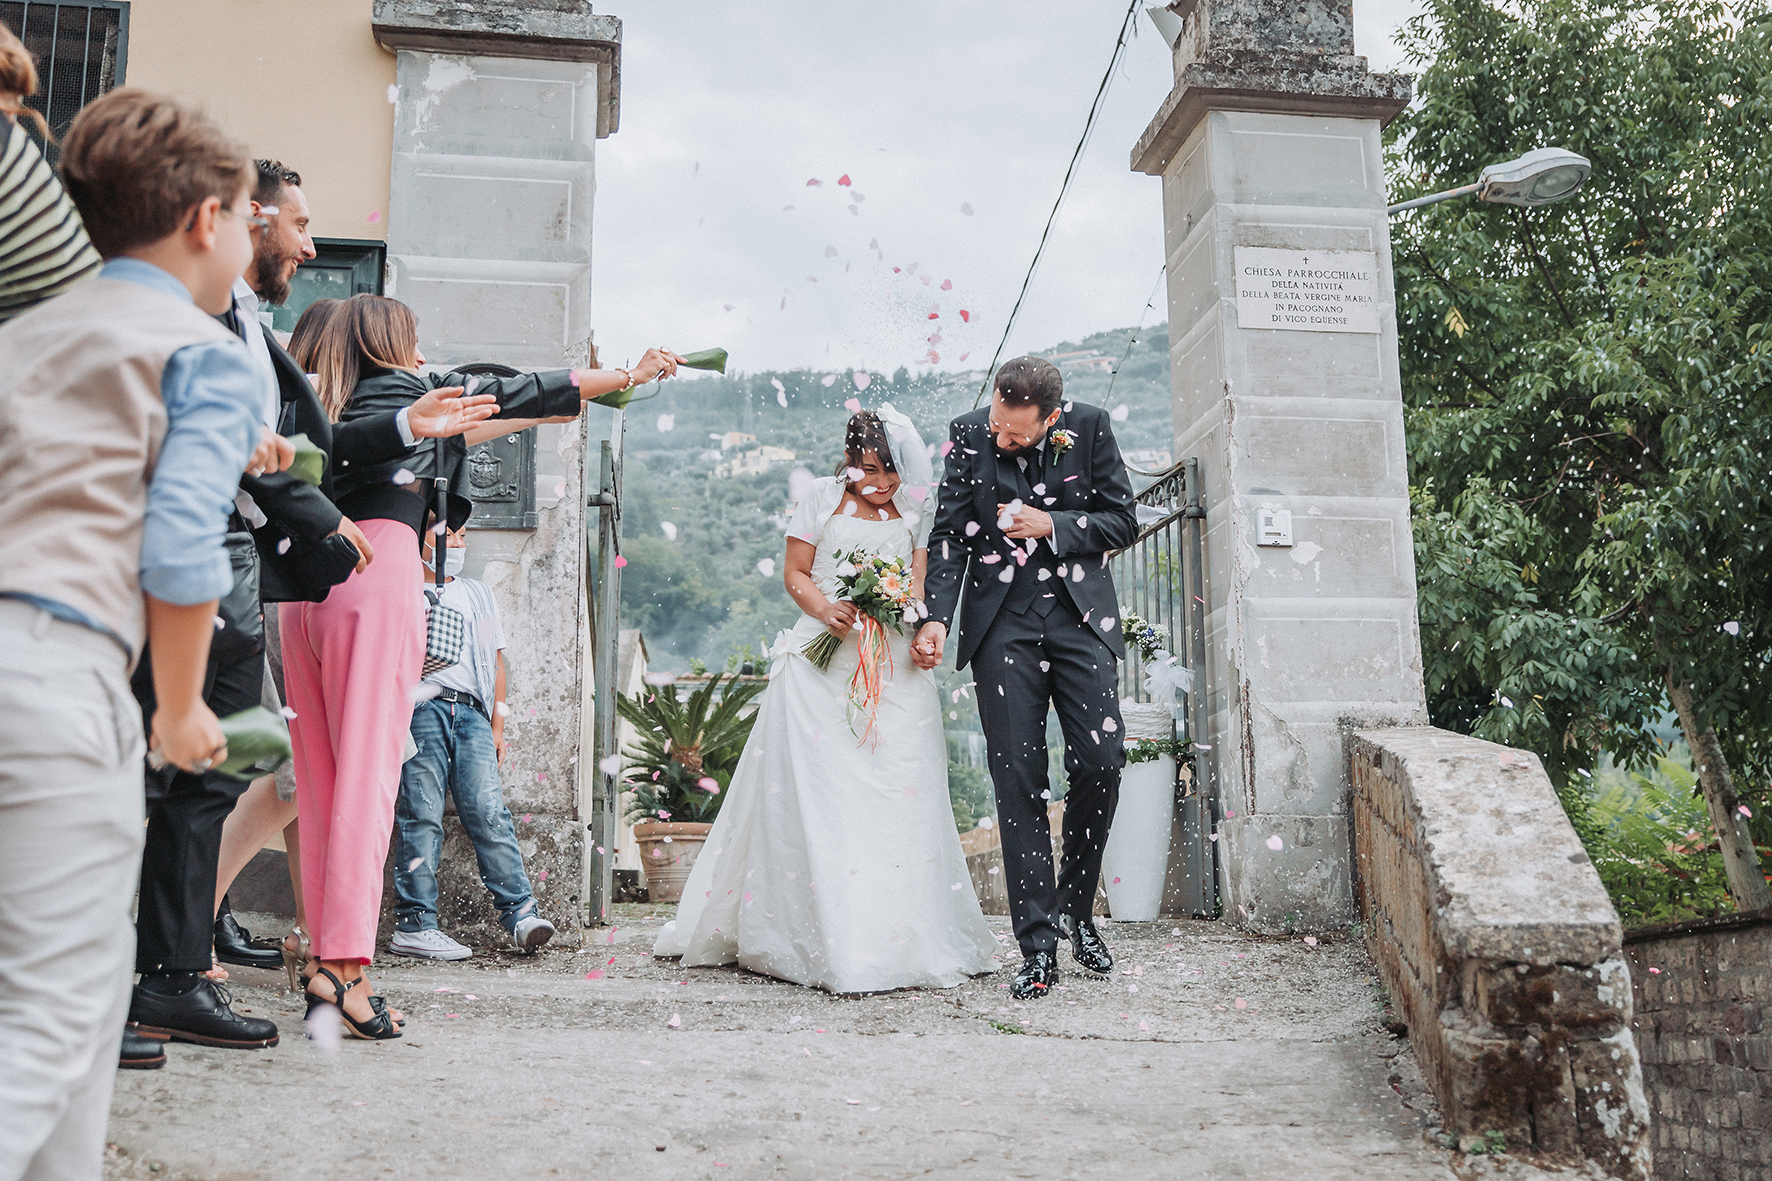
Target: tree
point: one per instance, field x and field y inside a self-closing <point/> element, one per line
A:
<point x="1588" y="386"/>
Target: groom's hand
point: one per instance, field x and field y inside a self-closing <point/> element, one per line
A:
<point x="926" y="649"/>
<point x="1027" y="522"/>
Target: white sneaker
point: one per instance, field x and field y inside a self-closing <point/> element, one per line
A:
<point x="428" y="945"/>
<point x="531" y="932"/>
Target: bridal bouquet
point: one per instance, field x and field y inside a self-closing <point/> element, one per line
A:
<point x="880" y="588"/>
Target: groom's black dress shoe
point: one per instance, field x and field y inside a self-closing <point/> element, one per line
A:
<point x="1086" y="945"/>
<point x="235" y="945"/>
<point x="203" y="1016"/>
<point x="1035" y="978"/>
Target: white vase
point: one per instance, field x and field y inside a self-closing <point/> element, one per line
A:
<point x="1136" y="858"/>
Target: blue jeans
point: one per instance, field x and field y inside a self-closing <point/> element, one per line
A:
<point x="455" y="755"/>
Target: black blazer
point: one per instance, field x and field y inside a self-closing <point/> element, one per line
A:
<point x="300" y="513"/>
<point x="1092" y="517"/>
<point x="364" y="483"/>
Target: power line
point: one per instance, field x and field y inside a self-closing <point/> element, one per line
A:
<point x="1126" y="27"/>
<point x="1134" y="338"/>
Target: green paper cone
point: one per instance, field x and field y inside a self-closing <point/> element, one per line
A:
<point x="310" y="461"/>
<point x="258" y="743"/>
<point x="712" y="359"/>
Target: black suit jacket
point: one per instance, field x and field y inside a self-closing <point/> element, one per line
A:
<point x="298" y="512"/>
<point x="1092" y="516"/>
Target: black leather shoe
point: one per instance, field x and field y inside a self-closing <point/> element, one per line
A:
<point x="1086" y="945"/>
<point x="235" y="945"/>
<point x="141" y="1053"/>
<point x="1035" y="978"/>
<point x="202" y="1016"/>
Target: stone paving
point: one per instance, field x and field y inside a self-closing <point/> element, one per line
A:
<point x="1209" y="1054"/>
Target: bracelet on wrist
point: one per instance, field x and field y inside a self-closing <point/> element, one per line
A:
<point x="629" y="374"/>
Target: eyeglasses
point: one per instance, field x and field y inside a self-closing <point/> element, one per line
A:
<point x="252" y="223"/>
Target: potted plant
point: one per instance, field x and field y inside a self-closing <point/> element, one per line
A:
<point x="679" y="770"/>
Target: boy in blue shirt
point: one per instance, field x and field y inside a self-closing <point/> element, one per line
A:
<point x="126" y="417"/>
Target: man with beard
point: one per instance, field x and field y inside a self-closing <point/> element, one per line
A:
<point x="287" y="541"/>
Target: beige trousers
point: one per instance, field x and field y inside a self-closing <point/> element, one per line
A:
<point x="70" y="852"/>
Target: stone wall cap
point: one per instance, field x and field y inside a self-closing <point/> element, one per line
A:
<point x="1510" y="878"/>
<point x="536" y="30"/>
<point x="1304" y="85"/>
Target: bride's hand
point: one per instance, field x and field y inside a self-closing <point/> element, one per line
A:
<point x="838" y="618"/>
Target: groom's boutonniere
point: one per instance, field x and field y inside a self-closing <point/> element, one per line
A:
<point x="1062" y="441"/>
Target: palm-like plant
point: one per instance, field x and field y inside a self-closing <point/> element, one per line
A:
<point x="687" y="749"/>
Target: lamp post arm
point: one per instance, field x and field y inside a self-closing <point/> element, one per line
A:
<point x="1435" y="198"/>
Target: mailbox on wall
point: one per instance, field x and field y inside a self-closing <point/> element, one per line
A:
<point x="501" y="471"/>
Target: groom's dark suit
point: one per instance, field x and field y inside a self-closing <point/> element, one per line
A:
<point x="1049" y="631"/>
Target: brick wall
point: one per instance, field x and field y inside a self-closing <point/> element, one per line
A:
<point x="1499" y="947"/>
<point x="1704" y="1031"/>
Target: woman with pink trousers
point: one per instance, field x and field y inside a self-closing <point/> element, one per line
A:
<point x="351" y="663"/>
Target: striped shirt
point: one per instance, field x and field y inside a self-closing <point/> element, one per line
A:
<point x="43" y="246"/>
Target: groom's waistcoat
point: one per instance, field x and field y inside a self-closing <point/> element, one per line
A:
<point x="1029" y="589"/>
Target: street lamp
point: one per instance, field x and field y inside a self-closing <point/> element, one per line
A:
<point x="1537" y="178"/>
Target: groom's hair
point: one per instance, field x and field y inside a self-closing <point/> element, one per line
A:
<point x="1031" y="381"/>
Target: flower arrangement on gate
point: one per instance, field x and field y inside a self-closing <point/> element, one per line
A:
<point x="1148" y="638"/>
<point x="880" y="588"/>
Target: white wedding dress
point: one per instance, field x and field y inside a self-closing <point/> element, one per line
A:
<point x="834" y="862"/>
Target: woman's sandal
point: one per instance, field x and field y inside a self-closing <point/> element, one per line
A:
<point x="295" y="958"/>
<point x="379" y="1028"/>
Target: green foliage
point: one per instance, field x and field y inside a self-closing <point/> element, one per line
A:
<point x="683" y="742"/>
<point x="1587" y="384"/>
<point x="1148" y="750"/>
<point x="970" y="792"/>
<point x="1654" y="846"/>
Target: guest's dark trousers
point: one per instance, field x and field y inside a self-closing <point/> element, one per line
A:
<point x="1026" y="660"/>
<point x="175" y="917"/>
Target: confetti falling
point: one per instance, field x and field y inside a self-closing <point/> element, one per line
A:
<point x="667" y="422"/>
<point x="1275" y="843"/>
<point x="766" y="567"/>
<point x="670" y="530"/>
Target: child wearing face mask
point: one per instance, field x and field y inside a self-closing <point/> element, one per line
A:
<point x="459" y="733"/>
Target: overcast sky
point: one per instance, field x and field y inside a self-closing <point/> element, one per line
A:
<point x="952" y="122"/>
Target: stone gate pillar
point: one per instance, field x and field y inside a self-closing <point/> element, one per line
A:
<point x="498" y="108"/>
<point x="1284" y="360"/>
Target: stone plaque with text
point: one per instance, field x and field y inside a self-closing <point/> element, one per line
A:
<point x="1307" y="290"/>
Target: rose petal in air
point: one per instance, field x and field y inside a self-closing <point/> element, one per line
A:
<point x="1275" y="843"/>
<point x="853" y="405"/>
<point x="862" y="380"/>
<point x="766" y="567"/>
<point x="1120" y="413"/>
<point x="403" y="477"/>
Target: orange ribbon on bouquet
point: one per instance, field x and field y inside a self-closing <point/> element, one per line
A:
<point x="873" y="668"/>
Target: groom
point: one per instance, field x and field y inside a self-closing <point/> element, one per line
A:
<point x="1034" y="498"/>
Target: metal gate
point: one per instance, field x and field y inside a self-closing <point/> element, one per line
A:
<point x="600" y="810"/>
<point x="1161" y="578"/>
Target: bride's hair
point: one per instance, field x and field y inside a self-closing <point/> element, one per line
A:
<point x="866" y="433"/>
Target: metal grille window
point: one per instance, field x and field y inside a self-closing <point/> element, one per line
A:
<point x="80" y="51"/>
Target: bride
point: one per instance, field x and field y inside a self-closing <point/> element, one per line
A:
<point x="834" y="861"/>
